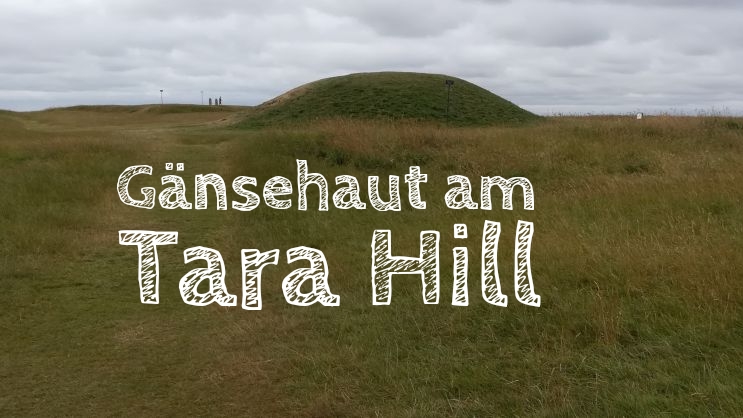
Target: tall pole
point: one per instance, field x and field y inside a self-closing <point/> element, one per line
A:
<point x="161" y="97"/>
<point x="202" y="97"/>
<point x="449" y="84"/>
<point x="448" y="99"/>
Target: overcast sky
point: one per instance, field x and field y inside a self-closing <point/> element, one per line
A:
<point x="576" y="56"/>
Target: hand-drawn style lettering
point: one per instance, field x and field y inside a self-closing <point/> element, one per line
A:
<point x="491" y="290"/>
<point x="522" y="276"/>
<point x="123" y="187"/>
<point x="348" y="197"/>
<point x="304" y="179"/>
<point x="414" y="179"/>
<point x="253" y="262"/>
<point x="213" y="273"/>
<point x="459" y="197"/>
<point x="252" y="200"/>
<point x="220" y="190"/>
<point x="277" y="186"/>
<point x="317" y="273"/>
<point x="148" y="270"/>
<point x="394" y="203"/>
<point x="506" y="187"/>
<point x="384" y="265"/>
<point x="460" y="295"/>
<point x="178" y="190"/>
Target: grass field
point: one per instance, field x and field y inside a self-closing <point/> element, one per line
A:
<point x="636" y="255"/>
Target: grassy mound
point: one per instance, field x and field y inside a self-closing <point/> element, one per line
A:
<point x="389" y="95"/>
<point x="150" y="108"/>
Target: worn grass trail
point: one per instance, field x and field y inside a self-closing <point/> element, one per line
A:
<point x="72" y="344"/>
<point x="635" y="256"/>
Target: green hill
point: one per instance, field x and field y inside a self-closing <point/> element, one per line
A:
<point x="389" y="95"/>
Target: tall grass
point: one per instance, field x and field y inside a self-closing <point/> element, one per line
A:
<point x="636" y="257"/>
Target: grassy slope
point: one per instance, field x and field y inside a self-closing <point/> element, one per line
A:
<point x="389" y="95"/>
<point x="636" y="257"/>
<point x="118" y="116"/>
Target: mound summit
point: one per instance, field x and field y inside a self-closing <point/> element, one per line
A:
<point x="389" y="95"/>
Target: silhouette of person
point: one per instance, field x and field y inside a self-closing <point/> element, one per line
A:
<point x="210" y="101"/>
<point x="220" y="100"/>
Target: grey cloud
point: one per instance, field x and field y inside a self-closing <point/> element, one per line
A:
<point x="198" y="9"/>
<point x="664" y="3"/>
<point x="414" y="18"/>
<point x="571" y="55"/>
<point x="557" y="32"/>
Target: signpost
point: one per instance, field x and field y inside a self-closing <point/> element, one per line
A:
<point x="449" y="84"/>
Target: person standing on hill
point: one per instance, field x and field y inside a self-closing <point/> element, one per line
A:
<point x="210" y="101"/>
<point x="220" y="100"/>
